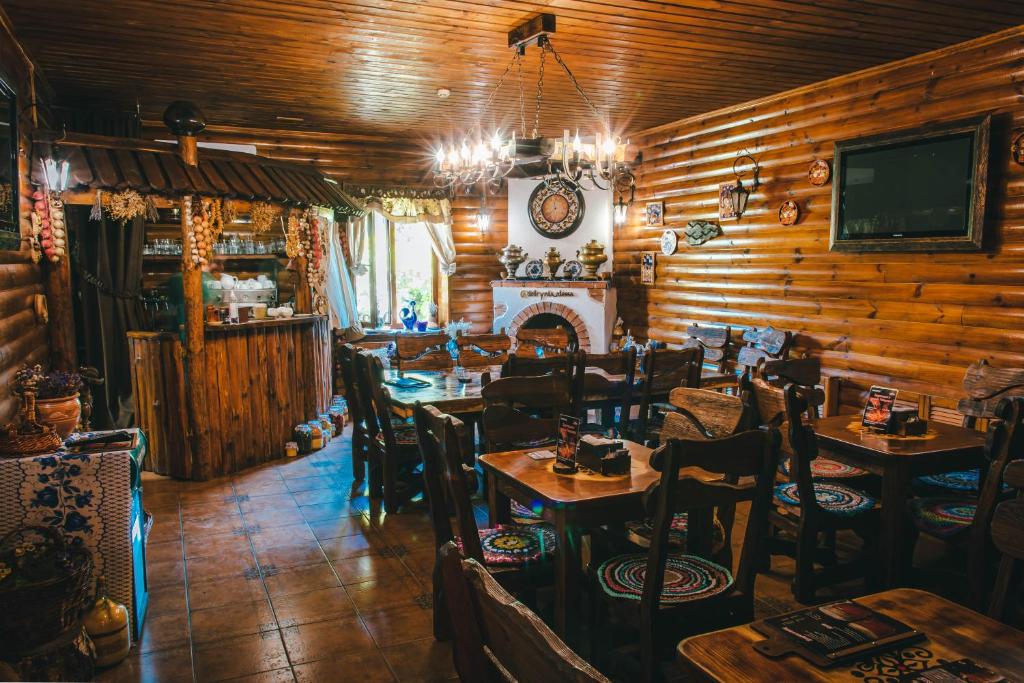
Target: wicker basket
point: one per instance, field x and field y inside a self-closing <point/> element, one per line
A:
<point x="30" y="437"/>
<point x="39" y="612"/>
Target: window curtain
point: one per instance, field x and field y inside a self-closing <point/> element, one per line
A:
<point x="340" y="290"/>
<point x="435" y="214"/>
<point x="358" y="238"/>
<point x="107" y="264"/>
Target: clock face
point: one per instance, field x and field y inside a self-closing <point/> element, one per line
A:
<point x="555" y="209"/>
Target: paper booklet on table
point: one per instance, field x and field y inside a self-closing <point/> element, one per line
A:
<point x="568" y="439"/>
<point x="878" y="409"/>
<point x="829" y="634"/>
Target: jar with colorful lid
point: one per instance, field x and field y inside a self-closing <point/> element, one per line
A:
<point x="328" y="424"/>
<point x="304" y="438"/>
<point x="316" y="434"/>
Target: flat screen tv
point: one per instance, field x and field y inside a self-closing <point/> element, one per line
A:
<point x="916" y="190"/>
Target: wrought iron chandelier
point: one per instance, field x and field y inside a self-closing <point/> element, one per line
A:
<point x="597" y="161"/>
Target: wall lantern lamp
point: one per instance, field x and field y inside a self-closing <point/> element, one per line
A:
<point x="56" y="173"/>
<point x="732" y="197"/>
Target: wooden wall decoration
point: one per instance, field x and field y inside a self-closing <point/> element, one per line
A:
<point x="915" y="321"/>
<point x="699" y="232"/>
<point x="655" y="214"/>
<point x="647" y="261"/>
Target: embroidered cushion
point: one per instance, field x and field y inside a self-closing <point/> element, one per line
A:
<point x="942" y="517"/>
<point x="522" y="512"/>
<point x="823" y="468"/>
<point x="405" y="435"/>
<point x="641" y="532"/>
<point x="687" y="577"/>
<point x="514" y="544"/>
<point x="834" y="498"/>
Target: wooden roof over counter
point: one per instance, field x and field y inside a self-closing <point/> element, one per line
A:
<point x="360" y="66"/>
<point x="114" y="164"/>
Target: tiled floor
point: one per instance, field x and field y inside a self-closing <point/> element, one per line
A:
<point x="285" y="573"/>
<point x="288" y="572"/>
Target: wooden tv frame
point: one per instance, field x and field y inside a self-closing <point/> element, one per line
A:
<point x="972" y="241"/>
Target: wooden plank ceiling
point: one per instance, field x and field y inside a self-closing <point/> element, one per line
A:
<point x="375" y="66"/>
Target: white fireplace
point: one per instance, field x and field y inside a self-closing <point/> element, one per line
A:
<point x="588" y="308"/>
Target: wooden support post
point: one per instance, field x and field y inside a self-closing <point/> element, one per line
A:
<point x="195" y="355"/>
<point x="63" y="353"/>
<point x="303" y="294"/>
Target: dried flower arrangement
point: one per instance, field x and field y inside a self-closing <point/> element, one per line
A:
<point x="262" y="216"/>
<point x="125" y="206"/>
<point x="52" y="384"/>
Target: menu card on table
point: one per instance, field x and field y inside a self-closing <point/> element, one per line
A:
<point x="840" y="630"/>
<point x="959" y="671"/>
<point x="568" y="439"/>
<point x="878" y="410"/>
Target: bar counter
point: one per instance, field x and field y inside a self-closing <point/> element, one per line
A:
<point x="262" y="378"/>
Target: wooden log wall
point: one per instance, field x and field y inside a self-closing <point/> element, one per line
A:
<point x="23" y="336"/>
<point x="476" y="260"/>
<point x="899" y="319"/>
<point x="262" y="380"/>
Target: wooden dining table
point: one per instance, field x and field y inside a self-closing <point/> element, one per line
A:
<point x="897" y="460"/>
<point x="952" y="631"/>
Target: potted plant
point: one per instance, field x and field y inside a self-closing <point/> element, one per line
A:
<point x="57" y="401"/>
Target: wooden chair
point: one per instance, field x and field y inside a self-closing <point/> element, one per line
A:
<point x="346" y="358"/>
<point x="1008" y="537"/>
<point x="716" y="343"/>
<point x="605" y="394"/>
<point x="510" y="549"/>
<point x="807" y="508"/>
<point x="497" y="638"/>
<point x="571" y="365"/>
<point x="522" y="412"/>
<point x="662" y="593"/>
<point x="483" y="350"/>
<point x="663" y="370"/>
<point x="699" y="414"/>
<point x="762" y="344"/>
<point x="540" y="342"/>
<point x="965" y="522"/>
<point x="422" y="352"/>
<point x="393" y="447"/>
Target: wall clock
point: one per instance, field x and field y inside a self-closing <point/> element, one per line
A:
<point x="555" y="209"/>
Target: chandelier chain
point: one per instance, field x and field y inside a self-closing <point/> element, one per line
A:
<point x="522" y="93"/>
<point x="540" y="95"/>
<point x="497" y="87"/>
<point x="572" y="79"/>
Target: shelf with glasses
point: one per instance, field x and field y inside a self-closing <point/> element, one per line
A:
<point x="224" y="257"/>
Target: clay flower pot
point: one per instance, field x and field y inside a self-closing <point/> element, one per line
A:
<point x="62" y="413"/>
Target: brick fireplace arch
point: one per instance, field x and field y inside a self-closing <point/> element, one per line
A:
<point x="582" y="335"/>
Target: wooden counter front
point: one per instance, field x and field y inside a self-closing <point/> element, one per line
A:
<point x="263" y="378"/>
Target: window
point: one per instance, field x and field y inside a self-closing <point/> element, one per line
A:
<point x="400" y="267"/>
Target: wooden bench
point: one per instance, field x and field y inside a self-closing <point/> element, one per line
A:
<point x="724" y="362"/>
<point x="422" y="352"/>
<point x="483" y="350"/>
<point x="550" y="341"/>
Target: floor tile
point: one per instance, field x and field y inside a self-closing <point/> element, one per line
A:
<point x="166" y="600"/>
<point x="370" y="665"/>
<point x="421" y="661"/>
<point x="162" y="552"/>
<point x="320" y="497"/>
<point x="206" y="545"/>
<point x="317" y="605"/>
<point x="172" y="666"/>
<point x="343" y="525"/>
<point x="240" y="656"/>
<point x="397" y="625"/>
<point x="284" y="535"/>
<point x="268" y="487"/>
<point x="301" y="579"/>
<point x="313" y="513"/>
<point x="211" y="525"/>
<point x="225" y="592"/>
<point x="323" y="639"/>
<point x="281" y="501"/>
<point x="225" y="564"/>
<point x="164" y="631"/>
<point x="276" y="676"/>
<point x="367" y="567"/>
<point x="291" y="555"/>
<point x="382" y="593"/>
<point x="345" y="547"/>
<point x="270" y="519"/>
<point x="234" y="619"/>
<point x="317" y="482"/>
<point x="165" y="572"/>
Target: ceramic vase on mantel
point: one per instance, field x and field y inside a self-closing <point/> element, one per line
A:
<point x="591" y="255"/>
<point x="60" y="413"/>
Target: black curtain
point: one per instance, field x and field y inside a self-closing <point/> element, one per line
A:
<point x="107" y="265"/>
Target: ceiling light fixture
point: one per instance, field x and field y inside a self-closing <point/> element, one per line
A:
<point x="597" y="161"/>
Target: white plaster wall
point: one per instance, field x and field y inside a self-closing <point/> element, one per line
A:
<point x="597" y="224"/>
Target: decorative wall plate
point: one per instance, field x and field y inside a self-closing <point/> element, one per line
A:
<point x="789" y="212"/>
<point x="819" y="172"/>
<point x="534" y="269"/>
<point x="669" y="242"/>
<point x="555" y="209"/>
<point x="572" y="269"/>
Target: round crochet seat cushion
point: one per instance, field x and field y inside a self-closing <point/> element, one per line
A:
<point x="687" y="577"/>
<point x="835" y="498"/>
<point x="942" y="517"/>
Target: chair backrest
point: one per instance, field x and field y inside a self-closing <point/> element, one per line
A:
<point x="522" y="411"/>
<point x="715" y="340"/>
<point x="496" y="637"/>
<point x="985" y="386"/>
<point x="483" y="350"/>
<point x="346" y="362"/>
<point x="803" y="371"/>
<point x="618" y="391"/>
<point x="753" y="454"/>
<point x="440" y="440"/>
<point x="376" y="402"/>
<point x="1008" y="538"/>
<point x="717" y="415"/>
<point x="762" y="344"/>
<point x="422" y="352"/>
<point x="571" y="365"/>
<point x="548" y="341"/>
<point x="664" y="370"/>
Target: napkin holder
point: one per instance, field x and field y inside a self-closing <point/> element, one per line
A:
<point x="606" y="456"/>
<point x="906" y="422"/>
